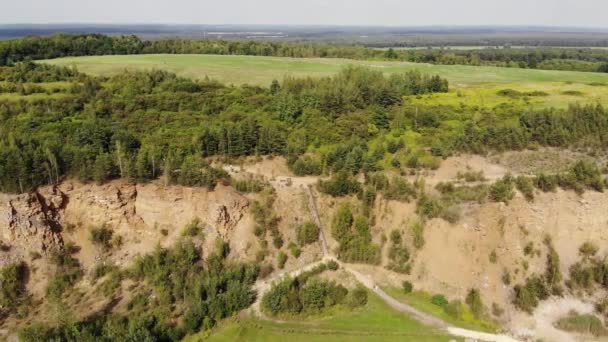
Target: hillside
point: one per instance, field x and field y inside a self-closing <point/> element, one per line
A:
<point x="375" y="202"/>
<point x="454" y="258"/>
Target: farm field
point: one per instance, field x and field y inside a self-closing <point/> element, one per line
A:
<point x="374" y="322"/>
<point x="473" y="85"/>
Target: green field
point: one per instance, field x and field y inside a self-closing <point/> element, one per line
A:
<point x="422" y="301"/>
<point x="471" y="85"/>
<point x="262" y="70"/>
<point x="374" y="322"/>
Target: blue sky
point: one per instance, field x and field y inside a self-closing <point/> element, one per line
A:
<point x="587" y="13"/>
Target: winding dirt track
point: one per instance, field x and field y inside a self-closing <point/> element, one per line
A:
<point x="264" y="285"/>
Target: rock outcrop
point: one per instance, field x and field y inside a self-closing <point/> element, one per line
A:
<point x="31" y="222"/>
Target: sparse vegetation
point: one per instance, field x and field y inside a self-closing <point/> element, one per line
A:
<point x="307" y="233"/>
<point x="586" y="324"/>
<point x="102" y="236"/>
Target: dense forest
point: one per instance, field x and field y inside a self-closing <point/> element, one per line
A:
<point x="62" y="45"/>
<point x="146" y="125"/>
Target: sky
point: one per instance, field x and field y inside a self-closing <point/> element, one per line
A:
<point x="580" y="13"/>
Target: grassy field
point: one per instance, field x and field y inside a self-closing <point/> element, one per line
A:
<point x="471" y="85"/>
<point x="262" y="70"/>
<point x="374" y="322"/>
<point x="422" y="301"/>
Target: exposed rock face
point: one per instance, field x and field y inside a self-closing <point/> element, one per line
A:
<point x="143" y="215"/>
<point x="30" y="222"/>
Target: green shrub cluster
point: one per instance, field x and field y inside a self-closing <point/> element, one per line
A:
<point x="308" y="294"/>
<point x="540" y="287"/>
<point x="307" y="233"/>
<point x="265" y="218"/>
<point x="354" y="237"/>
<point x="585" y="324"/>
<point x="250" y="185"/>
<point x="340" y="185"/>
<point x="188" y="295"/>
<point x="590" y="271"/>
<point x="398" y="254"/>
<point x="13" y="290"/>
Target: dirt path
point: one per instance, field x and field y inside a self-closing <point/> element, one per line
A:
<point x="541" y="324"/>
<point x="368" y="282"/>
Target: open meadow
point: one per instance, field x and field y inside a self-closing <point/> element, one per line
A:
<point x="376" y="321"/>
<point x="473" y="85"/>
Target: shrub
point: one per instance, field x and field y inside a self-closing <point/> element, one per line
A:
<point x="102" y="236"/>
<point x="357" y="297"/>
<point x="407" y="287"/>
<point x="399" y="189"/>
<point x="493" y="257"/>
<point x="429" y="207"/>
<point x="471" y="176"/>
<point x="340" y="185"/>
<point x="354" y="237"/>
<point x="418" y="233"/>
<point x="474" y="302"/>
<point x="193" y="228"/>
<point x="281" y="260"/>
<point x="525" y="185"/>
<point x="546" y="183"/>
<point x="453" y="308"/>
<point x="305" y="294"/>
<point x="306" y="166"/>
<point x="12" y="278"/>
<point x="294" y="249"/>
<point x="502" y="190"/>
<point x="439" y="300"/>
<point x="249" y="185"/>
<point x="586" y="324"/>
<point x="307" y="233"/>
<point x="528" y="295"/>
<point x="588" y="249"/>
<point x="332" y="265"/>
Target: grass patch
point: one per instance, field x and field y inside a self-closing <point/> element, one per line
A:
<point x="423" y="301"/>
<point x="262" y="70"/>
<point x="586" y="324"/>
<point x="376" y="321"/>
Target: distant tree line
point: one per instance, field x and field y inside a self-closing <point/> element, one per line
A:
<point x="65" y="45"/>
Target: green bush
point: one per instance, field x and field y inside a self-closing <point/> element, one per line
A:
<point x="418" y="233"/>
<point x="586" y="324"/>
<point x="294" y="249"/>
<point x="281" y="260"/>
<point x="341" y="184"/>
<point x="502" y="190"/>
<point x="357" y="297"/>
<point x="354" y="237"/>
<point x="527" y="296"/>
<point x="193" y="228"/>
<point x="306" y="166"/>
<point x="307" y="233"/>
<point x="12" y="278"/>
<point x="429" y="207"/>
<point x="407" y="287"/>
<point x="474" y="302"/>
<point x="102" y="236"/>
<point x="439" y="300"/>
<point x="249" y="185"/>
<point x="525" y="185"/>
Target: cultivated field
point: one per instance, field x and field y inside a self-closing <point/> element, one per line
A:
<point x="471" y="85"/>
